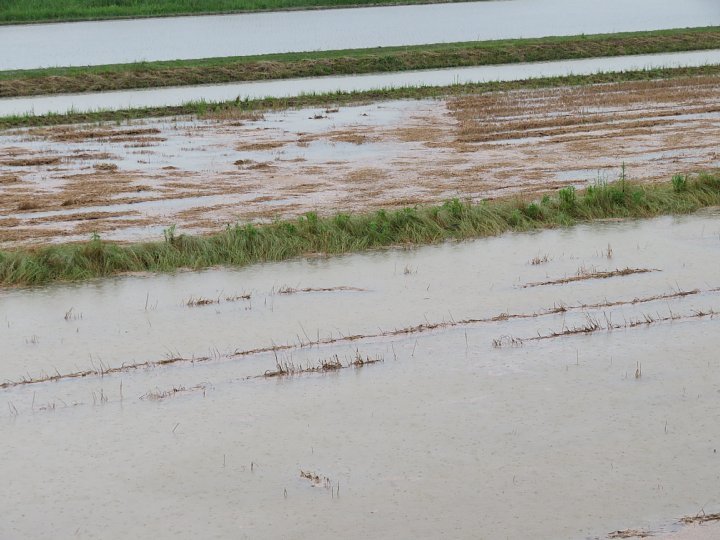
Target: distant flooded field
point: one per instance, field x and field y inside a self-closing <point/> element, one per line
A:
<point x="113" y="42"/>
<point x="171" y="96"/>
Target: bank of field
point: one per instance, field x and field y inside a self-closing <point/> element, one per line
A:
<point x="343" y="233"/>
<point x="348" y="62"/>
<point x="22" y="11"/>
<point x="228" y="109"/>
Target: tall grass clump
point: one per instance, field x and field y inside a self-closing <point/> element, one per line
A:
<point x="679" y="183"/>
<point x="244" y="244"/>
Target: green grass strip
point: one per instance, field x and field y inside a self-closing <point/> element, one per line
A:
<point x="229" y="108"/>
<point x="24" y="11"/>
<point x="343" y="233"/>
<point x="347" y="62"/>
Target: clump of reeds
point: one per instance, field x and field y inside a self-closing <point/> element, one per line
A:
<point x="594" y="324"/>
<point x="195" y="301"/>
<point x="316" y="480"/>
<point x="584" y="273"/>
<point x="236" y="297"/>
<point x="359" y="361"/>
<point x="285" y="366"/>
<point x="630" y="533"/>
<point x="201" y="301"/>
<point x="329" y="364"/>
<point x="537" y="259"/>
<point x="608" y="252"/>
<point x="286" y="289"/>
<point x="702" y="517"/>
<point x="72" y="315"/>
<point x="157" y="394"/>
<point x="507" y="341"/>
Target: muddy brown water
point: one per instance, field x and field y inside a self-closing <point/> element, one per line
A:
<point x="448" y="437"/>
<point x="129" y="182"/>
<point x="112" y="42"/>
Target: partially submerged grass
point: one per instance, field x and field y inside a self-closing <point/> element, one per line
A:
<point x="241" y="245"/>
<point x="159" y="395"/>
<point x="342" y="288"/>
<point x="630" y="533"/>
<point x="701" y="518"/>
<point x="201" y="301"/>
<point x="346" y="62"/>
<point x="286" y="366"/>
<point x="592" y="273"/>
<point x="593" y="324"/>
<point x="537" y="259"/>
<point x="318" y="480"/>
<point x="229" y="109"/>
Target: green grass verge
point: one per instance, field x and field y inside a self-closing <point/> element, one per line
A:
<point x="23" y="11"/>
<point x="345" y="62"/>
<point x="454" y="220"/>
<point x="230" y="108"/>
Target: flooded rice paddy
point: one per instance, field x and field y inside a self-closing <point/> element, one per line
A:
<point x="124" y="41"/>
<point x="159" y="97"/>
<point x="561" y="384"/>
<point x="566" y="410"/>
<point x="130" y="181"/>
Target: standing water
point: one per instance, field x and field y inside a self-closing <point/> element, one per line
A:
<point x="159" y="97"/>
<point x="123" y="41"/>
<point x="516" y="424"/>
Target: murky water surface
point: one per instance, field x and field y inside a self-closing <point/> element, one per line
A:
<point x="112" y="42"/>
<point x="159" y="97"/>
<point x="448" y="437"/>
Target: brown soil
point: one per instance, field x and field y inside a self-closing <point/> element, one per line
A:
<point x="70" y="133"/>
<point x="30" y="162"/>
<point x="203" y="175"/>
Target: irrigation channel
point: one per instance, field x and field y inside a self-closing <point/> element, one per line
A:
<point x="127" y="99"/>
<point x="514" y="372"/>
<point x="112" y="42"/>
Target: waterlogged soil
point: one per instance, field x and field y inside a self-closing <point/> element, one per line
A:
<point x="466" y="426"/>
<point x="130" y="181"/>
